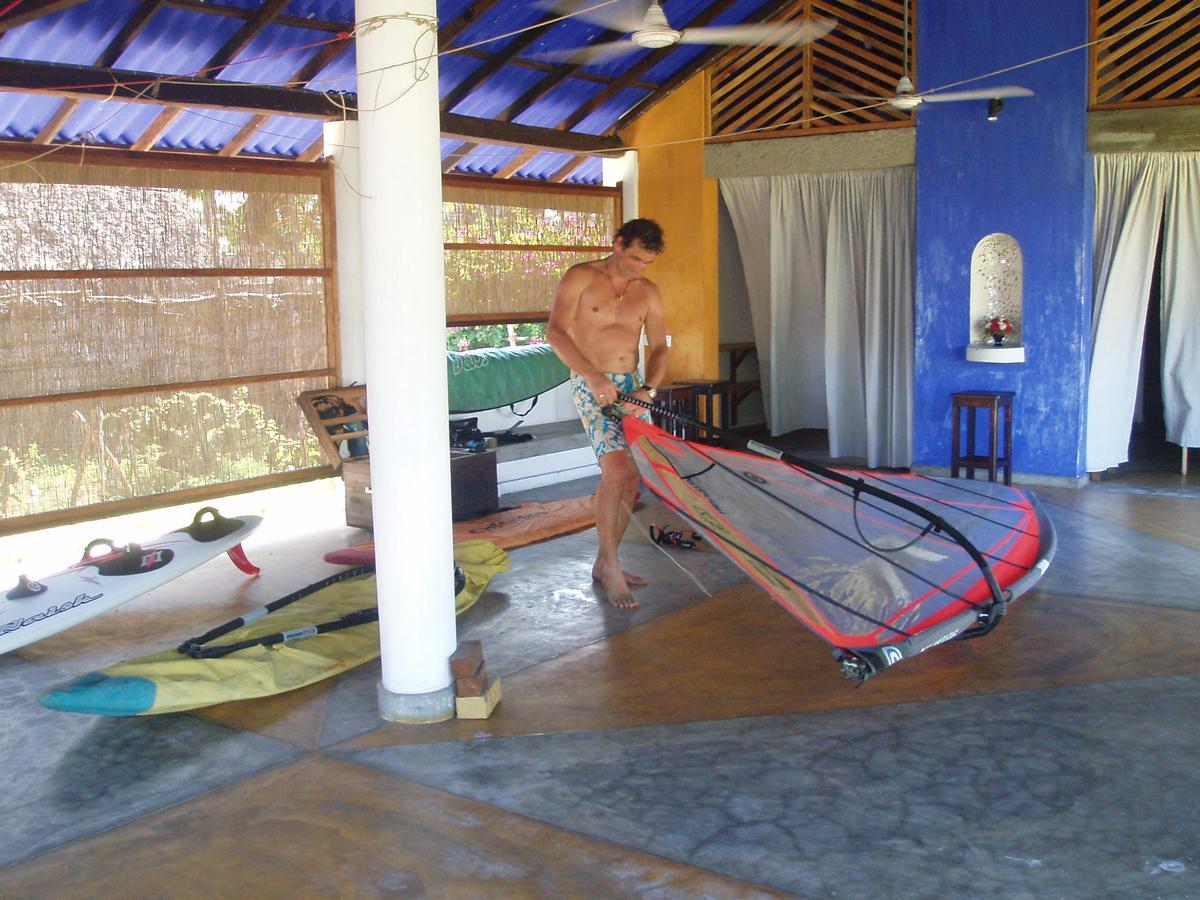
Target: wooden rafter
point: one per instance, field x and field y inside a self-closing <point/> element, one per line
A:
<point x="457" y="155"/>
<point x="55" y="123"/>
<point x="243" y="37"/>
<point x="538" y="65"/>
<point x="313" y="152"/>
<point x="118" y="45"/>
<point x="452" y="29"/>
<point x="234" y="12"/>
<point x="563" y="172"/>
<point x="514" y="165"/>
<point x="90" y="83"/>
<point x="486" y="131"/>
<point x="240" y="40"/>
<point x="28" y="10"/>
<point x="488" y="69"/>
<point x="237" y="143"/>
<point x="320" y="60"/>
<point x="164" y="120"/>
<point x="128" y="34"/>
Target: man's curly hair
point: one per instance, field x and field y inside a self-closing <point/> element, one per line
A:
<point x="647" y="231"/>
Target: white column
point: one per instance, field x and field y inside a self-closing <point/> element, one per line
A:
<point x="623" y="171"/>
<point x="405" y="315"/>
<point x="341" y="148"/>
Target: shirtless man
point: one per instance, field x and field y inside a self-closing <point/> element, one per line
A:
<point x="600" y="309"/>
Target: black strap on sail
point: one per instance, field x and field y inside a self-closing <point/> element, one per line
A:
<point x="195" y="647"/>
<point x="857" y="485"/>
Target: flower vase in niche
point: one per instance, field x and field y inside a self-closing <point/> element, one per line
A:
<point x="999" y="328"/>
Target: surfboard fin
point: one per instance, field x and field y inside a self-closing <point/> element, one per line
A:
<point x="238" y="557"/>
<point x="25" y="588"/>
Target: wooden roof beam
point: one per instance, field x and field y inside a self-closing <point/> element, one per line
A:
<point x="238" y="142"/>
<point x="28" y="10"/>
<point x="488" y="69"/>
<point x="133" y="26"/>
<point x="51" y="129"/>
<point x="452" y="29"/>
<point x="515" y="164"/>
<point x="91" y="83"/>
<point x="242" y="38"/>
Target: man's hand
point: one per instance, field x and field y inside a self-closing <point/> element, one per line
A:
<point x="604" y="390"/>
<point x="643" y="394"/>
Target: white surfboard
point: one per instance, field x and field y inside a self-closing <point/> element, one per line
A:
<point x="97" y="583"/>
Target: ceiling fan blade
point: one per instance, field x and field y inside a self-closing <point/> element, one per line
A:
<point x="977" y="94"/>
<point x="786" y="34"/>
<point x="615" y="15"/>
<point x="595" y="53"/>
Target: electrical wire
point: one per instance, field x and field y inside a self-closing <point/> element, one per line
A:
<point x="422" y="73"/>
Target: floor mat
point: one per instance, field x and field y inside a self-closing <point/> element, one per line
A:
<point x="526" y="524"/>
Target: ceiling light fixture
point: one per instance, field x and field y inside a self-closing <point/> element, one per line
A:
<point x="994" y="107"/>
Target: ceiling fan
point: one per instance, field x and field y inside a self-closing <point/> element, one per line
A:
<point x="907" y="97"/>
<point x="648" y="29"/>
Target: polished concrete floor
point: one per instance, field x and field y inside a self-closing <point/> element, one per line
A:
<point x="703" y="745"/>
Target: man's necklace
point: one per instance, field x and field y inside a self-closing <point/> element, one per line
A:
<point x="620" y="292"/>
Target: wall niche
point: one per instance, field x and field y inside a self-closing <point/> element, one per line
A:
<point x="997" y="293"/>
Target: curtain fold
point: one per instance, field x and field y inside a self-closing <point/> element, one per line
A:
<point x="1137" y="194"/>
<point x="749" y="203"/>
<point x="836" y="307"/>
<point x="1181" y="303"/>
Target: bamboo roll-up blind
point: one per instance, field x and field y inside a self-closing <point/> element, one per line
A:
<point x="159" y="323"/>
<point x="506" y="248"/>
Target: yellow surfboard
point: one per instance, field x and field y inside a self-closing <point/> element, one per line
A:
<point x="171" y="681"/>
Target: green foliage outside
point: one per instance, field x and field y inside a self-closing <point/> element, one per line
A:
<point x="475" y="337"/>
<point x="183" y="440"/>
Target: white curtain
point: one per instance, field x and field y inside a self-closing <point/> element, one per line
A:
<point x="829" y="270"/>
<point x="1136" y="194"/>
<point x="1181" y="303"/>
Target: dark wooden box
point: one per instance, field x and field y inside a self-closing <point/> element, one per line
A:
<point x="473" y="491"/>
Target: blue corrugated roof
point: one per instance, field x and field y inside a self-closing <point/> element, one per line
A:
<point x="503" y="69"/>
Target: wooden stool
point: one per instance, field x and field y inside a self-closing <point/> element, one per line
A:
<point x="713" y="393"/>
<point x="970" y="402"/>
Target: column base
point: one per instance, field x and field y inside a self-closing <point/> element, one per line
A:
<point x="415" y="709"/>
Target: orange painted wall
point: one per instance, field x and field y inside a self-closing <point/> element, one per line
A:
<point x="673" y="191"/>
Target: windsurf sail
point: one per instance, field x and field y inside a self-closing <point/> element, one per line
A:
<point x="881" y="566"/>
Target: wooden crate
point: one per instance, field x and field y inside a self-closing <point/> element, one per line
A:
<point x="473" y="490"/>
<point x="356" y="475"/>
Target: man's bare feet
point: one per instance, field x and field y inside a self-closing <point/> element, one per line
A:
<point x="630" y="579"/>
<point x="616" y="587"/>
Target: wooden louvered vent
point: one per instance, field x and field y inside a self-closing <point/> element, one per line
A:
<point x="773" y="91"/>
<point x="1147" y="53"/>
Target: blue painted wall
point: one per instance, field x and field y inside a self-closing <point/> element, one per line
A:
<point x="1029" y="175"/>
